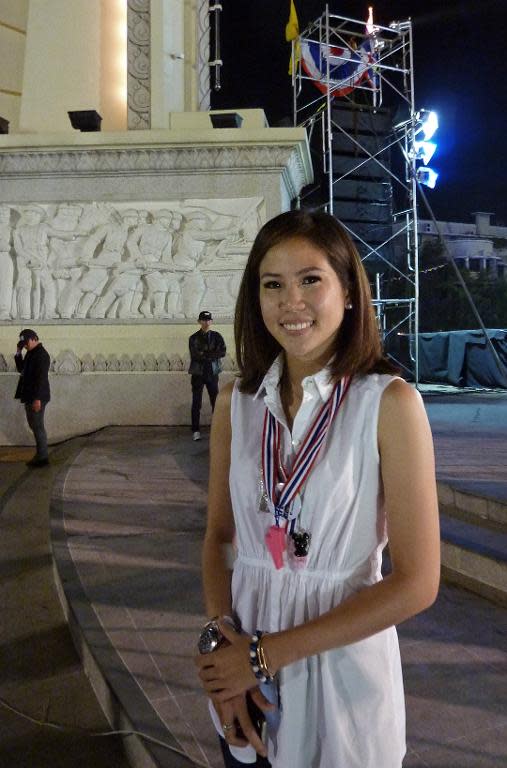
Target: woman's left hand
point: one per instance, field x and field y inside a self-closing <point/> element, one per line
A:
<point x="227" y="671"/>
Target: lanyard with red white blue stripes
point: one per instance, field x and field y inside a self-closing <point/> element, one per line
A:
<point x="281" y="495"/>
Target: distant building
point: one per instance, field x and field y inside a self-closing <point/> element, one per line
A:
<point x="479" y="246"/>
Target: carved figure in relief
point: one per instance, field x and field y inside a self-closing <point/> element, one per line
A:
<point x="150" y="245"/>
<point x="95" y="215"/>
<point x="36" y="254"/>
<point x="233" y="238"/>
<point x="191" y="241"/>
<point x="174" y="308"/>
<point x="225" y="246"/>
<point x="35" y="288"/>
<point x="193" y="288"/>
<point x="101" y="252"/>
<point x="66" y="269"/>
<point x="123" y="294"/>
<point x="6" y="264"/>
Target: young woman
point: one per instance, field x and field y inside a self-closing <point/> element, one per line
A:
<point x="318" y="455"/>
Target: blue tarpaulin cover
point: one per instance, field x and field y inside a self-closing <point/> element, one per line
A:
<point x="462" y="358"/>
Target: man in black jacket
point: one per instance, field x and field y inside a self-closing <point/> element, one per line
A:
<point x="33" y="390"/>
<point x="206" y="350"/>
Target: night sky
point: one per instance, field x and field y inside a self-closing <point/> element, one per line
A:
<point x="460" y="66"/>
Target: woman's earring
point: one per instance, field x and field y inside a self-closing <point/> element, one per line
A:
<point x="349" y="305"/>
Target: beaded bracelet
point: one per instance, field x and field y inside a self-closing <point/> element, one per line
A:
<point x="258" y="659"/>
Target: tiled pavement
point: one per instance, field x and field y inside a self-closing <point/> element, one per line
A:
<point x="40" y="671"/>
<point x="127" y="521"/>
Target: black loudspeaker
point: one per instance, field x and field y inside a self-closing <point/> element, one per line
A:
<point x="226" y="120"/>
<point x="86" y="120"/>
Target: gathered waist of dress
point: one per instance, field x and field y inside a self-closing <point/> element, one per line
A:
<point x="365" y="569"/>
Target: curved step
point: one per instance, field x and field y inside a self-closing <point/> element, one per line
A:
<point x="474" y="542"/>
<point x="127" y="519"/>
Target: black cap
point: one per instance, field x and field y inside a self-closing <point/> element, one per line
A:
<point x="205" y="316"/>
<point x="27" y="333"/>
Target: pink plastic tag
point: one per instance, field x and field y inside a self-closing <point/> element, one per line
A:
<point x="276" y="542"/>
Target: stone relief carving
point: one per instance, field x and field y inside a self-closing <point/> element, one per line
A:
<point x="138" y="66"/>
<point x="6" y="264"/>
<point x="124" y="261"/>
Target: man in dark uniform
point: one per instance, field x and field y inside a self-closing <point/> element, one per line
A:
<point x="206" y="350"/>
<point x="33" y="390"/>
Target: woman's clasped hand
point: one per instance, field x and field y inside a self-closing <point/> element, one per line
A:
<point x="228" y="678"/>
<point x="227" y="672"/>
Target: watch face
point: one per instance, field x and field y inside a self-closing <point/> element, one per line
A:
<point x="210" y="638"/>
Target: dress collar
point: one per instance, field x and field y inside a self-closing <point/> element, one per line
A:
<point x="269" y="386"/>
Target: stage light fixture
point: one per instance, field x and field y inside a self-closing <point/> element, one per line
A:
<point x="86" y="120"/>
<point x="427" y="176"/>
<point x="424" y="150"/>
<point x="429" y="123"/>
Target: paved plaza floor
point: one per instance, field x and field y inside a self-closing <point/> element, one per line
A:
<point x="127" y="520"/>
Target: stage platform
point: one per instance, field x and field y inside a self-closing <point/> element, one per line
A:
<point x="127" y="513"/>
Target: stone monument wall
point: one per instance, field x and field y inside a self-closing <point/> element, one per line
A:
<point x="111" y="244"/>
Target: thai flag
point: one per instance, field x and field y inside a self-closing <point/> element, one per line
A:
<point x="348" y="67"/>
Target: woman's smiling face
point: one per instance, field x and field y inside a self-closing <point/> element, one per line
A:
<point x="302" y="300"/>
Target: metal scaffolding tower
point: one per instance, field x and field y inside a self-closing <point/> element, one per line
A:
<point x="353" y="88"/>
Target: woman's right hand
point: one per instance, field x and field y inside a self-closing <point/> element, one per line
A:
<point x="235" y="712"/>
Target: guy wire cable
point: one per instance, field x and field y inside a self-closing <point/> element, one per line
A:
<point x="98" y="734"/>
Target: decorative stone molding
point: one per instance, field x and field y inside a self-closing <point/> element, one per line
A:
<point x="87" y="364"/>
<point x="163" y="362"/>
<point x="99" y="364"/>
<point x="176" y="363"/>
<point x="112" y="363"/>
<point x="155" y="160"/>
<point x="67" y="363"/>
<point x="138" y="66"/>
<point x="150" y="362"/>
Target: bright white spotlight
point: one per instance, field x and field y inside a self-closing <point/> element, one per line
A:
<point x="429" y="123"/>
<point x="427" y="176"/>
<point x="424" y="150"/>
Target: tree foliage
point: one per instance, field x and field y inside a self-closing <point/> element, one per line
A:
<point x="443" y="304"/>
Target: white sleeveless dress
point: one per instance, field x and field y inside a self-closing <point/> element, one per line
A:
<point x="343" y="708"/>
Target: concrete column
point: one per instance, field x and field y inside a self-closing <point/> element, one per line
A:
<point x="62" y="63"/>
<point x="174" y="59"/>
<point x="75" y="58"/>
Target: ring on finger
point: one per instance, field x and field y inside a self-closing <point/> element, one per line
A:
<point x="227" y="727"/>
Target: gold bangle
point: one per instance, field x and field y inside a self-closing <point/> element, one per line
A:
<point x="262" y="658"/>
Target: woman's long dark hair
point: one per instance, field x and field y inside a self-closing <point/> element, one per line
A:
<point x="358" y="347"/>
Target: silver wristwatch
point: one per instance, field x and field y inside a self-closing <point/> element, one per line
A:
<point x="210" y="637"/>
